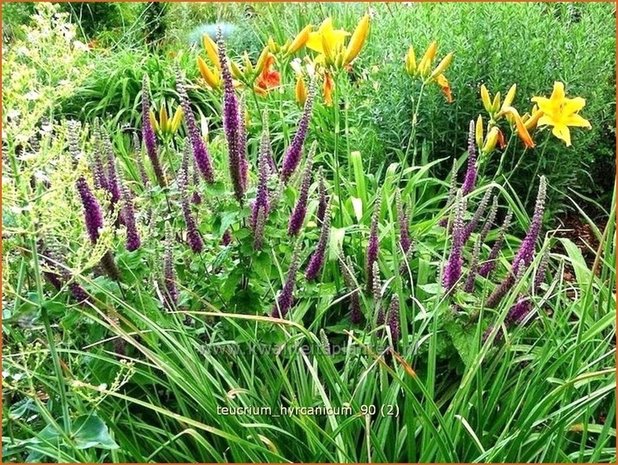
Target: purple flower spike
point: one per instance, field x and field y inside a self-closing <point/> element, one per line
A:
<point x="169" y="274"/>
<point x="226" y="239"/>
<point x="112" y="173"/>
<point x="525" y="254"/>
<point x="128" y="214"/>
<point x="98" y="171"/>
<point x="373" y="247"/>
<point x="258" y="230"/>
<point x="242" y="147"/>
<point x="356" y="315"/>
<point x="393" y="319"/>
<point x="470" y="178"/>
<point x="140" y="163"/>
<point x="292" y="155"/>
<point x="233" y="123"/>
<point x="286" y="297"/>
<point x="148" y="135"/>
<point x="200" y="153"/>
<point x="317" y="259"/>
<point x="300" y="209"/>
<point x="323" y="197"/>
<point x="193" y="236"/>
<point x="519" y="311"/>
<point x="93" y="215"/>
<point x="541" y="270"/>
<point x="262" y="198"/>
<point x="376" y="290"/>
<point x="452" y="269"/>
<point x="404" y="231"/>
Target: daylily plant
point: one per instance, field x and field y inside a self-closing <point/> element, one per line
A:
<point x="421" y="70"/>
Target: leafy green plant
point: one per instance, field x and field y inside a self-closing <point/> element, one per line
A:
<point x="213" y="337"/>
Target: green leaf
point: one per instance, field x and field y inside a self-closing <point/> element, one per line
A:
<point x="90" y="431"/>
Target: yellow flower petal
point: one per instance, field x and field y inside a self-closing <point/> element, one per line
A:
<point x="577" y="121"/>
<point x="573" y="105"/>
<point x="558" y="92"/>
<point x="562" y="132"/>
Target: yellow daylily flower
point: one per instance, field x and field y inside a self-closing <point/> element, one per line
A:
<point x="300" y="40"/>
<point x="327" y="37"/>
<point x="561" y="112"/>
<point x="357" y="40"/>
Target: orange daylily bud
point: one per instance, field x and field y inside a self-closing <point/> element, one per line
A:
<point x="357" y="40"/>
<point x="327" y="90"/>
<point x="446" y="88"/>
<point x="501" y="139"/>
<point x="522" y="132"/>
